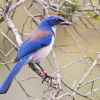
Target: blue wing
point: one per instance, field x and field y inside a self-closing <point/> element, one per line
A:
<point x="32" y="46"/>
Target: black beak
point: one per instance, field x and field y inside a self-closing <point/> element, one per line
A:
<point x="66" y="23"/>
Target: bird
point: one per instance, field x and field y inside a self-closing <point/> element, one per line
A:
<point x="35" y="48"/>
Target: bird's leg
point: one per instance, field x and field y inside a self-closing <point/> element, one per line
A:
<point x="38" y="64"/>
<point x="32" y="66"/>
<point x="45" y="73"/>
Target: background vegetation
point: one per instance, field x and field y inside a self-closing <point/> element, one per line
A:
<point x="74" y="59"/>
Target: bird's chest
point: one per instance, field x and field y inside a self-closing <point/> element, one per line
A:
<point x="42" y="53"/>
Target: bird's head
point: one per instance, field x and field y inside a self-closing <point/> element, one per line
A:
<point x="56" y="20"/>
<point x="53" y="21"/>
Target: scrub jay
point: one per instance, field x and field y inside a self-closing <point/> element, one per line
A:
<point x="35" y="48"/>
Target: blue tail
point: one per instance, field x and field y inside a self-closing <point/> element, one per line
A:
<point x="11" y="75"/>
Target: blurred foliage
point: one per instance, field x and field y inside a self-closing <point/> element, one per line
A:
<point x="72" y="8"/>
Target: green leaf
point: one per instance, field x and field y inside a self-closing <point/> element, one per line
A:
<point x="96" y="18"/>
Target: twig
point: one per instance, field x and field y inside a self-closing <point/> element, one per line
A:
<point x="54" y="56"/>
<point x="8" y="39"/>
<point x="68" y="65"/>
<point x="63" y="95"/>
<point x="8" y="4"/>
<point x="5" y="55"/>
<point x="93" y="91"/>
<point x="90" y="81"/>
<point x="11" y="9"/>
<point x="75" y="40"/>
<point x="82" y="95"/>
<point x="86" y="74"/>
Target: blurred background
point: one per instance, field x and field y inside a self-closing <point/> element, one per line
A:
<point x="74" y="52"/>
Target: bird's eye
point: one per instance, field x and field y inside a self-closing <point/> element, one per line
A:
<point x="57" y="20"/>
<point x="53" y="20"/>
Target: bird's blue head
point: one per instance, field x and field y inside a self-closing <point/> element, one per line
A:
<point x="52" y="21"/>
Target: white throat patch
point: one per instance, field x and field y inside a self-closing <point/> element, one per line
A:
<point x="54" y="29"/>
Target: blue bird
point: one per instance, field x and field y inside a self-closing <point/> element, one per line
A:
<point x="35" y="48"/>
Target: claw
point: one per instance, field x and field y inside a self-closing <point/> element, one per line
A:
<point x="47" y="76"/>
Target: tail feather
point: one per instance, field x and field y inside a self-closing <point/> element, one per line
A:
<point x="13" y="72"/>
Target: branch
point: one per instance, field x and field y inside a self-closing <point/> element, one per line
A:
<point x="13" y="29"/>
<point x="8" y="4"/>
<point x="11" y="9"/>
<point x="82" y="95"/>
<point x="97" y="78"/>
<point x="8" y="39"/>
<point x="86" y="74"/>
<point x="8" y="53"/>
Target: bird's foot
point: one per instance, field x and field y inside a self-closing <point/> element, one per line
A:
<point x="49" y="77"/>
